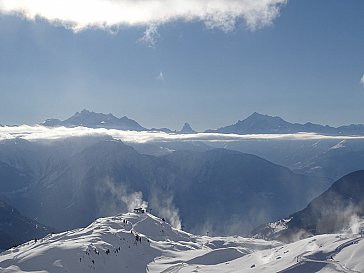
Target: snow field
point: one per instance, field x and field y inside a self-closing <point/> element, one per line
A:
<point x="144" y="243"/>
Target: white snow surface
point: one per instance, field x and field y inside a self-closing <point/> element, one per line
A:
<point x="279" y="225"/>
<point x="340" y="145"/>
<point x="110" y="245"/>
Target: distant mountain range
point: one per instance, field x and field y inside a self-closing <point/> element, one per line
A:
<point x="254" y="124"/>
<point x="90" y="119"/>
<point x="96" y="120"/>
<point x="338" y="208"/>
<point x="264" y="124"/>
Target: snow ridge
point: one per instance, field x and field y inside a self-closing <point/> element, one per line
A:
<point x="141" y="242"/>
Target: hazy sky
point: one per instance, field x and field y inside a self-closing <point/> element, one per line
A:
<point x="208" y="65"/>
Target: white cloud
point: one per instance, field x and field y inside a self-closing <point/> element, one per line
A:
<point x="150" y="36"/>
<point x="362" y="80"/>
<point x="81" y="14"/>
<point x="36" y="133"/>
<point x="160" y="76"/>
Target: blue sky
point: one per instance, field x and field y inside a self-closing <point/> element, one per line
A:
<point x="304" y="66"/>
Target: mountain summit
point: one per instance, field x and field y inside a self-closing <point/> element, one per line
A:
<point x="259" y="123"/>
<point x="187" y="129"/>
<point x="96" y="120"/>
<point x="264" y="124"/>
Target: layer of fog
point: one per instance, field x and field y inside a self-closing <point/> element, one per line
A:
<point x="35" y="133"/>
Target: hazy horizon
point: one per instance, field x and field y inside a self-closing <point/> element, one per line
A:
<point x="176" y="127"/>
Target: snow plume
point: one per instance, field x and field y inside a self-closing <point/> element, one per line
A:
<point x="345" y="220"/>
<point x="162" y="204"/>
<point x="354" y="224"/>
<point x="335" y="216"/>
<point x="207" y="228"/>
<point x="106" y="14"/>
<point x="238" y="225"/>
<point x="114" y="198"/>
<point x="233" y="223"/>
<point x="334" y="212"/>
<point x="295" y="236"/>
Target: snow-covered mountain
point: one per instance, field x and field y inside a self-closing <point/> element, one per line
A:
<point x="254" y="124"/>
<point x="264" y="124"/>
<point x="341" y="158"/>
<point x="187" y="129"/>
<point x="340" y="207"/>
<point x="143" y="243"/>
<point x="89" y="119"/>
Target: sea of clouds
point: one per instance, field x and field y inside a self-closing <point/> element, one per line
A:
<point x="38" y="132"/>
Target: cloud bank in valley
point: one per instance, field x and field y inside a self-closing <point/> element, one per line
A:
<point x="36" y="133"/>
<point x="81" y="14"/>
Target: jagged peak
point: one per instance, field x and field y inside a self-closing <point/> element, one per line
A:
<point x="257" y="115"/>
<point x="86" y="111"/>
<point x="187" y="129"/>
<point x="95" y="120"/>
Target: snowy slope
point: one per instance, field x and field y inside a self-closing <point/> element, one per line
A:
<point x="322" y="253"/>
<point x="111" y="245"/>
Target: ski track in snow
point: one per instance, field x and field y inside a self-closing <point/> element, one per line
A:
<point x="134" y="225"/>
<point x="174" y="268"/>
<point x="303" y="260"/>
